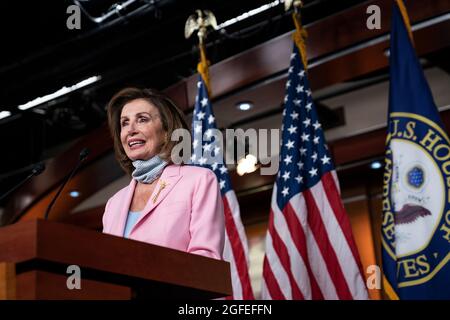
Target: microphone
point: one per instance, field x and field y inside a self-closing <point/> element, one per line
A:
<point x="83" y="155"/>
<point x="37" y="170"/>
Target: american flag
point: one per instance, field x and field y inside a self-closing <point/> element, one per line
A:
<point x="208" y="153"/>
<point x="310" y="251"/>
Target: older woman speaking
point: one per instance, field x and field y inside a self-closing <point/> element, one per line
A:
<point x="175" y="206"/>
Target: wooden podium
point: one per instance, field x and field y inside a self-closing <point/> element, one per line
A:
<point x="35" y="256"/>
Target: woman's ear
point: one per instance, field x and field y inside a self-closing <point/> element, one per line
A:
<point x="166" y="138"/>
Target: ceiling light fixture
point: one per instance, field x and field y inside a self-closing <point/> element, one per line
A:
<point x="59" y="93"/>
<point x="249" y="14"/>
<point x="4" y="114"/>
<point x="246" y="165"/>
<point x="375" y="165"/>
<point x="74" y="194"/>
<point x="244" y="105"/>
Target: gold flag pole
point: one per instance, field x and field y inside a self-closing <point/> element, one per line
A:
<point x="201" y="21"/>
<point x="405" y="16"/>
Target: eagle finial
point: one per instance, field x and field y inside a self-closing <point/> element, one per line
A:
<point x="288" y="4"/>
<point x="200" y="21"/>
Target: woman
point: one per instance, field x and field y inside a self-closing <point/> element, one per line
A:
<point x="174" y="206"/>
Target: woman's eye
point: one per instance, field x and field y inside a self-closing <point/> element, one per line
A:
<point x="123" y="124"/>
<point x="143" y="119"/>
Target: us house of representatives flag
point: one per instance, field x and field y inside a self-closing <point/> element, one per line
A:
<point x="416" y="210"/>
<point x="310" y="250"/>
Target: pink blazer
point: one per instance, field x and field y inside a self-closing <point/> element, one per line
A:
<point x="187" y="214"/>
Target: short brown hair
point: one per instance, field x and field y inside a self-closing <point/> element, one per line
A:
<point x="172" y="118"/>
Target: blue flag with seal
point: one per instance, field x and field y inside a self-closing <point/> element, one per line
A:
<point x="416" y="194"/>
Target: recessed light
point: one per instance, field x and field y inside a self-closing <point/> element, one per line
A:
<point x="74" y="194"/>
<point x="376" y="165"/>
<point x="247" y="165"/>
<point x="244" y="105"/>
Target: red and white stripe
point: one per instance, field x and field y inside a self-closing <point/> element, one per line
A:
<point x="310" y="251"/>
<point x="236" y="249"/>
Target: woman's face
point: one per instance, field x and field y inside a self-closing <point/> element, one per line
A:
<point x="141" y="131"/>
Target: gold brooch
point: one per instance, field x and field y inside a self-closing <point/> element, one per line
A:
<point x="162" y="185"/>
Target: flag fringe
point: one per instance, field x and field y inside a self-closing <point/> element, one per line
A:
<point x="203" y="68"/>
<point x="299" y="37"/>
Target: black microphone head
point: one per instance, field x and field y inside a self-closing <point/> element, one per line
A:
<point x="38" y="168"/>
<point x="84" y="153"/>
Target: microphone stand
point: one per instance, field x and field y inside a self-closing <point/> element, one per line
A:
<point x="83" y="155"/>
<point x="37" y="170"/>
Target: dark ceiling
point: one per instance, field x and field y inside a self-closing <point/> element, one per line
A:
<point x="145" y="46"/>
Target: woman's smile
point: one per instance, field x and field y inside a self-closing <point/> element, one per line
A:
<point x="136" y="143"/>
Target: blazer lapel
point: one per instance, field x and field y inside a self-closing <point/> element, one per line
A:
<point x="169" y="178"/>
<point x="124" y="209"/>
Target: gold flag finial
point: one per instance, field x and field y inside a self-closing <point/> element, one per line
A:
<point x="289" y="3"/>
<point x="200" y="21"/>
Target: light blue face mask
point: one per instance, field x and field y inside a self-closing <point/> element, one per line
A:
<point x="147" y="171"/>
